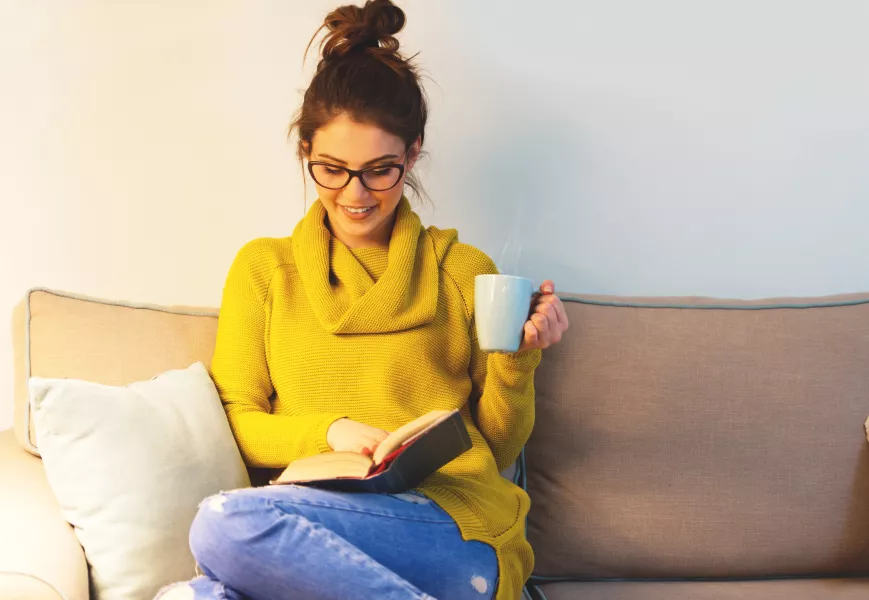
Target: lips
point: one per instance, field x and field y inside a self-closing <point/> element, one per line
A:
<point x="367" y="211"/>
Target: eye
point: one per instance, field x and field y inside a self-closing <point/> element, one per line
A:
<point x="332" y="170"/>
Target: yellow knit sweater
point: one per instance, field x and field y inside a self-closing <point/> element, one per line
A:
<point x="311" y="331"/>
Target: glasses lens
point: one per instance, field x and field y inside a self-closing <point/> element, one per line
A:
<point x="329" y="176"/>
<point x="380" y="179"/>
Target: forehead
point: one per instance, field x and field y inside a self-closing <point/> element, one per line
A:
<point x="353" y="142"/>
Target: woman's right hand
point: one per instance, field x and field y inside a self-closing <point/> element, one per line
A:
<point x="352" y="436"/>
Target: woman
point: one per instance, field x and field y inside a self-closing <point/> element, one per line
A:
<point x="359" y="322"/>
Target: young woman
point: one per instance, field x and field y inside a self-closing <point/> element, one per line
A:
<point x="359" y="322"/>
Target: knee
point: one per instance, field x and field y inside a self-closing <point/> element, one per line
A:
<point x="239" y="538"/>
<point x="176" y="591"/>
<point x="208" y="540"/>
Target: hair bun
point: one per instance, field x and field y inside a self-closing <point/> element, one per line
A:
<point x="354" y="28"/>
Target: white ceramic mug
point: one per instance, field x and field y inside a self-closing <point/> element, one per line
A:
<point x="501" y="307"/>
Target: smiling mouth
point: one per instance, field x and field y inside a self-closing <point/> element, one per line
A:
<point x="360" y="213"/>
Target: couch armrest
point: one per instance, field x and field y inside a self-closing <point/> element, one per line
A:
<point x="40" y="557"/>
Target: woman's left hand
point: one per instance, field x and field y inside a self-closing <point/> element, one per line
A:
<point x="548" y="320"/>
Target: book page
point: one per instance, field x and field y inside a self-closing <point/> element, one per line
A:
<point x="326" y="466"/>
<point x="408" y="431"/>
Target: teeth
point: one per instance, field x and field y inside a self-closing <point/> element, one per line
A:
<point x="357" y="211"/>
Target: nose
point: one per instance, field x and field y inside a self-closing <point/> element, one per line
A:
<point x="355" y="192"/>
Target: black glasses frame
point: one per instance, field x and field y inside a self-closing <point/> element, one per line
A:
<point x="353" y="173"/>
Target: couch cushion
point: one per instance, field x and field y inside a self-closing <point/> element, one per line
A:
<point x="61" y="335"/>
<point x="794" y="589"/>
<point x="40" y="557"/>
<point x="720" y="440"/>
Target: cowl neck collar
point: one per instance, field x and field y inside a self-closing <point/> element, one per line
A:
<point x="344" y="297"/>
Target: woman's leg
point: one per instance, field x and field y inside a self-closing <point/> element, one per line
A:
<point x="199" y="588"/>
<point x="298" y="542"/>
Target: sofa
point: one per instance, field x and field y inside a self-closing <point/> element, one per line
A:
<point x="684" y="448"/>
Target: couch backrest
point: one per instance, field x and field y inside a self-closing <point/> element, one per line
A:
<point x="65" y="335"/>
<point x="62" y="335"/>
<point x="703" y="438"/>
<point x="674" y="437"/>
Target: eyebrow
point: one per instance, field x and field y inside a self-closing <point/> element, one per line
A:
<point x="370" y="162"/>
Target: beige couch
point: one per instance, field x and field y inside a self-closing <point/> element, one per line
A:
<point x="684" y="448"/>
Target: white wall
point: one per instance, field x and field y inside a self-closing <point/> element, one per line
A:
<point x="626" y="147"/>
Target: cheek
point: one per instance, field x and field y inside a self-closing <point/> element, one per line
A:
<point x="389" y="198"/>
<point x="327" y="197"/>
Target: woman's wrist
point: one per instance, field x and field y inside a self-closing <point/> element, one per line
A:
<point x="524" y="360"/>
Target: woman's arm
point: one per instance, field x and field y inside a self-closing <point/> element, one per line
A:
<point x="504" y="383"/>
<point x="241" y="373"/>
<point x="502" y="395"/>
<point x="503" y="392"/>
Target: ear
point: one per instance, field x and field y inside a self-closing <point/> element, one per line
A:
<point x="413" y="153"/>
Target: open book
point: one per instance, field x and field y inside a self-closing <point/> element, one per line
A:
<point x="400" y="462"/>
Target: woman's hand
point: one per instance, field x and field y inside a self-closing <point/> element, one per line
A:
<point x="548" y="320"/>
<point x="345" y="435"/>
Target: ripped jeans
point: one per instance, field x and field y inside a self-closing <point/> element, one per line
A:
<point x="293" y="542"/>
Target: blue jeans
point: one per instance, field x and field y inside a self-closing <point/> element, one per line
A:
<point x="298" y="542"/>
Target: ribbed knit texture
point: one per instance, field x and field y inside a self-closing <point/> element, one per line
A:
<point x="311" y="331"/>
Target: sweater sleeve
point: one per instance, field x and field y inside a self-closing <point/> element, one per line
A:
<point x="240" y="369"/>
<point x="503" y="391"/>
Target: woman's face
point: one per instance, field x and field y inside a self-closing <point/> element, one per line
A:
<point x="345" y="143"/>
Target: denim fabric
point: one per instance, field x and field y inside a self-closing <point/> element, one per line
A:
<point x="295" y="542"/>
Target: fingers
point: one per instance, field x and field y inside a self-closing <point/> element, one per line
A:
<point x="541" y="324"/>
<point x="367" y="438"/>
<point x="562" y="314"/>
<point x="373" y="438"/>
<point x="554" y="328"/>
<point x="557" y="308"/>
<point x="547" y="320"/>
<point x="546" y="288"/>
<point x="353" y="436"/>
<point x="552" y="307"/>
<point x="547" y="308"/>
<point x="548" y="317"/>
<point x="367" y="446"/>
<point x="531" y="335"/>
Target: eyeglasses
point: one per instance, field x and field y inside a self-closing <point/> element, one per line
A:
<point x="376" y="179"/>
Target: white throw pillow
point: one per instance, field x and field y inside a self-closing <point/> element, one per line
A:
<point x="130" y="465"/>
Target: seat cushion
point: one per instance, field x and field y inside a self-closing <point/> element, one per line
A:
<point x="703" y="438"/>
<point x="40" y="557"/>
<point x="17" y="586"/>
<point x="791" y="589"/>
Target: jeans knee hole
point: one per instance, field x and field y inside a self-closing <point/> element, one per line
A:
<point x="411" y="497"/>
<point x="480" y="584"/>
<point x="177" y="591"/>
<point x="216" y="503"/>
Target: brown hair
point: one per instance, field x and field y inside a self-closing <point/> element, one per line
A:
<point x="362" y="74"/>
